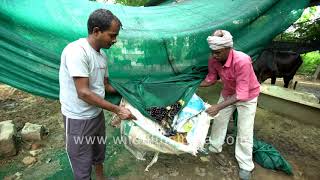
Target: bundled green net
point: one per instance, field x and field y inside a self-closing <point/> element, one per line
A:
<point x="268" y="157"/>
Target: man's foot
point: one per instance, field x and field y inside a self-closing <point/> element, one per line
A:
<point x="244" y="174"/>
<point x="212" y="149"/>
<point x="99" y="172"/>
<point x="203" y="151"/>
<point x="207" y="150"/>
<point x="100" y="178"/>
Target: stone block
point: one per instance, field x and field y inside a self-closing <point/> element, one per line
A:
<point x="32" y="132"/>
<point x="28" y="160"/>
<point x="7" y="142"/>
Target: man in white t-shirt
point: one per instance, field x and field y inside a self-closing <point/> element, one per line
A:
<point x="83" y="81"/>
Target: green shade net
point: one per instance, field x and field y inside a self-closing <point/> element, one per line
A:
<point x="157" y="91"/>
<point x="268" y="157"/>
<point x="160" y="52"/>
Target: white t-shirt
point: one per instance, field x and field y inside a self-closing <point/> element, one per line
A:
<point x="79" y="59"/>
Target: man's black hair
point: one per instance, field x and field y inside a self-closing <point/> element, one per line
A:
<point x="101" y="18"/>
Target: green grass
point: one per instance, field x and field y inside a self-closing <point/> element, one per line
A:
<point x="310" y="63"/>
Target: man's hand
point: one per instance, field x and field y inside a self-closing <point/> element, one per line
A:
<point x="125" y="114"/>
<point x="204" y="83"/>
<point x="213" y="110"/>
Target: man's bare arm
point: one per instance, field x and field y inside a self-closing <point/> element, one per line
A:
<point x="227" y="102"/>
<point x="214" y="109"/>
<point x="84" y="93"/>
<point x="108" y="86"/>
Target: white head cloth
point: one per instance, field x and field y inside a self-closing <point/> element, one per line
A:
<point x="216" y="42"/>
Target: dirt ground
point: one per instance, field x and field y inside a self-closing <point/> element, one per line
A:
<point x="298" y="143"/>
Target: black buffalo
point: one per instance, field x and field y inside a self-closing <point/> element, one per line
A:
<point x="273" y="64"/>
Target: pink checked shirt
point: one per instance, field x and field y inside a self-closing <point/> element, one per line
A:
<point x="237" y="76"/>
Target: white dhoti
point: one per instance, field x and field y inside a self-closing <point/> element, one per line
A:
<point x="245" y="124"/>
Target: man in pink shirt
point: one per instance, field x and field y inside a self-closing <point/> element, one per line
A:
<point x="240" y="91"/>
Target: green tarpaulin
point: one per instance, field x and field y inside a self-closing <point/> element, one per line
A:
<point x="160" y="49"/>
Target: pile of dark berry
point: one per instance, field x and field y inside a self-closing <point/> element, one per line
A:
<point x="164" y="116"/>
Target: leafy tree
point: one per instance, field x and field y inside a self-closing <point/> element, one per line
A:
<point x="307" y="28"/>
<point x="311" y="61"/>
<point x="132" y="2"/>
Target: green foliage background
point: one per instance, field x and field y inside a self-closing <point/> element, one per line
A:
<point x="132" y="2"/>
<point x="310" y="63"/>
<point x="307" y="28"/>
